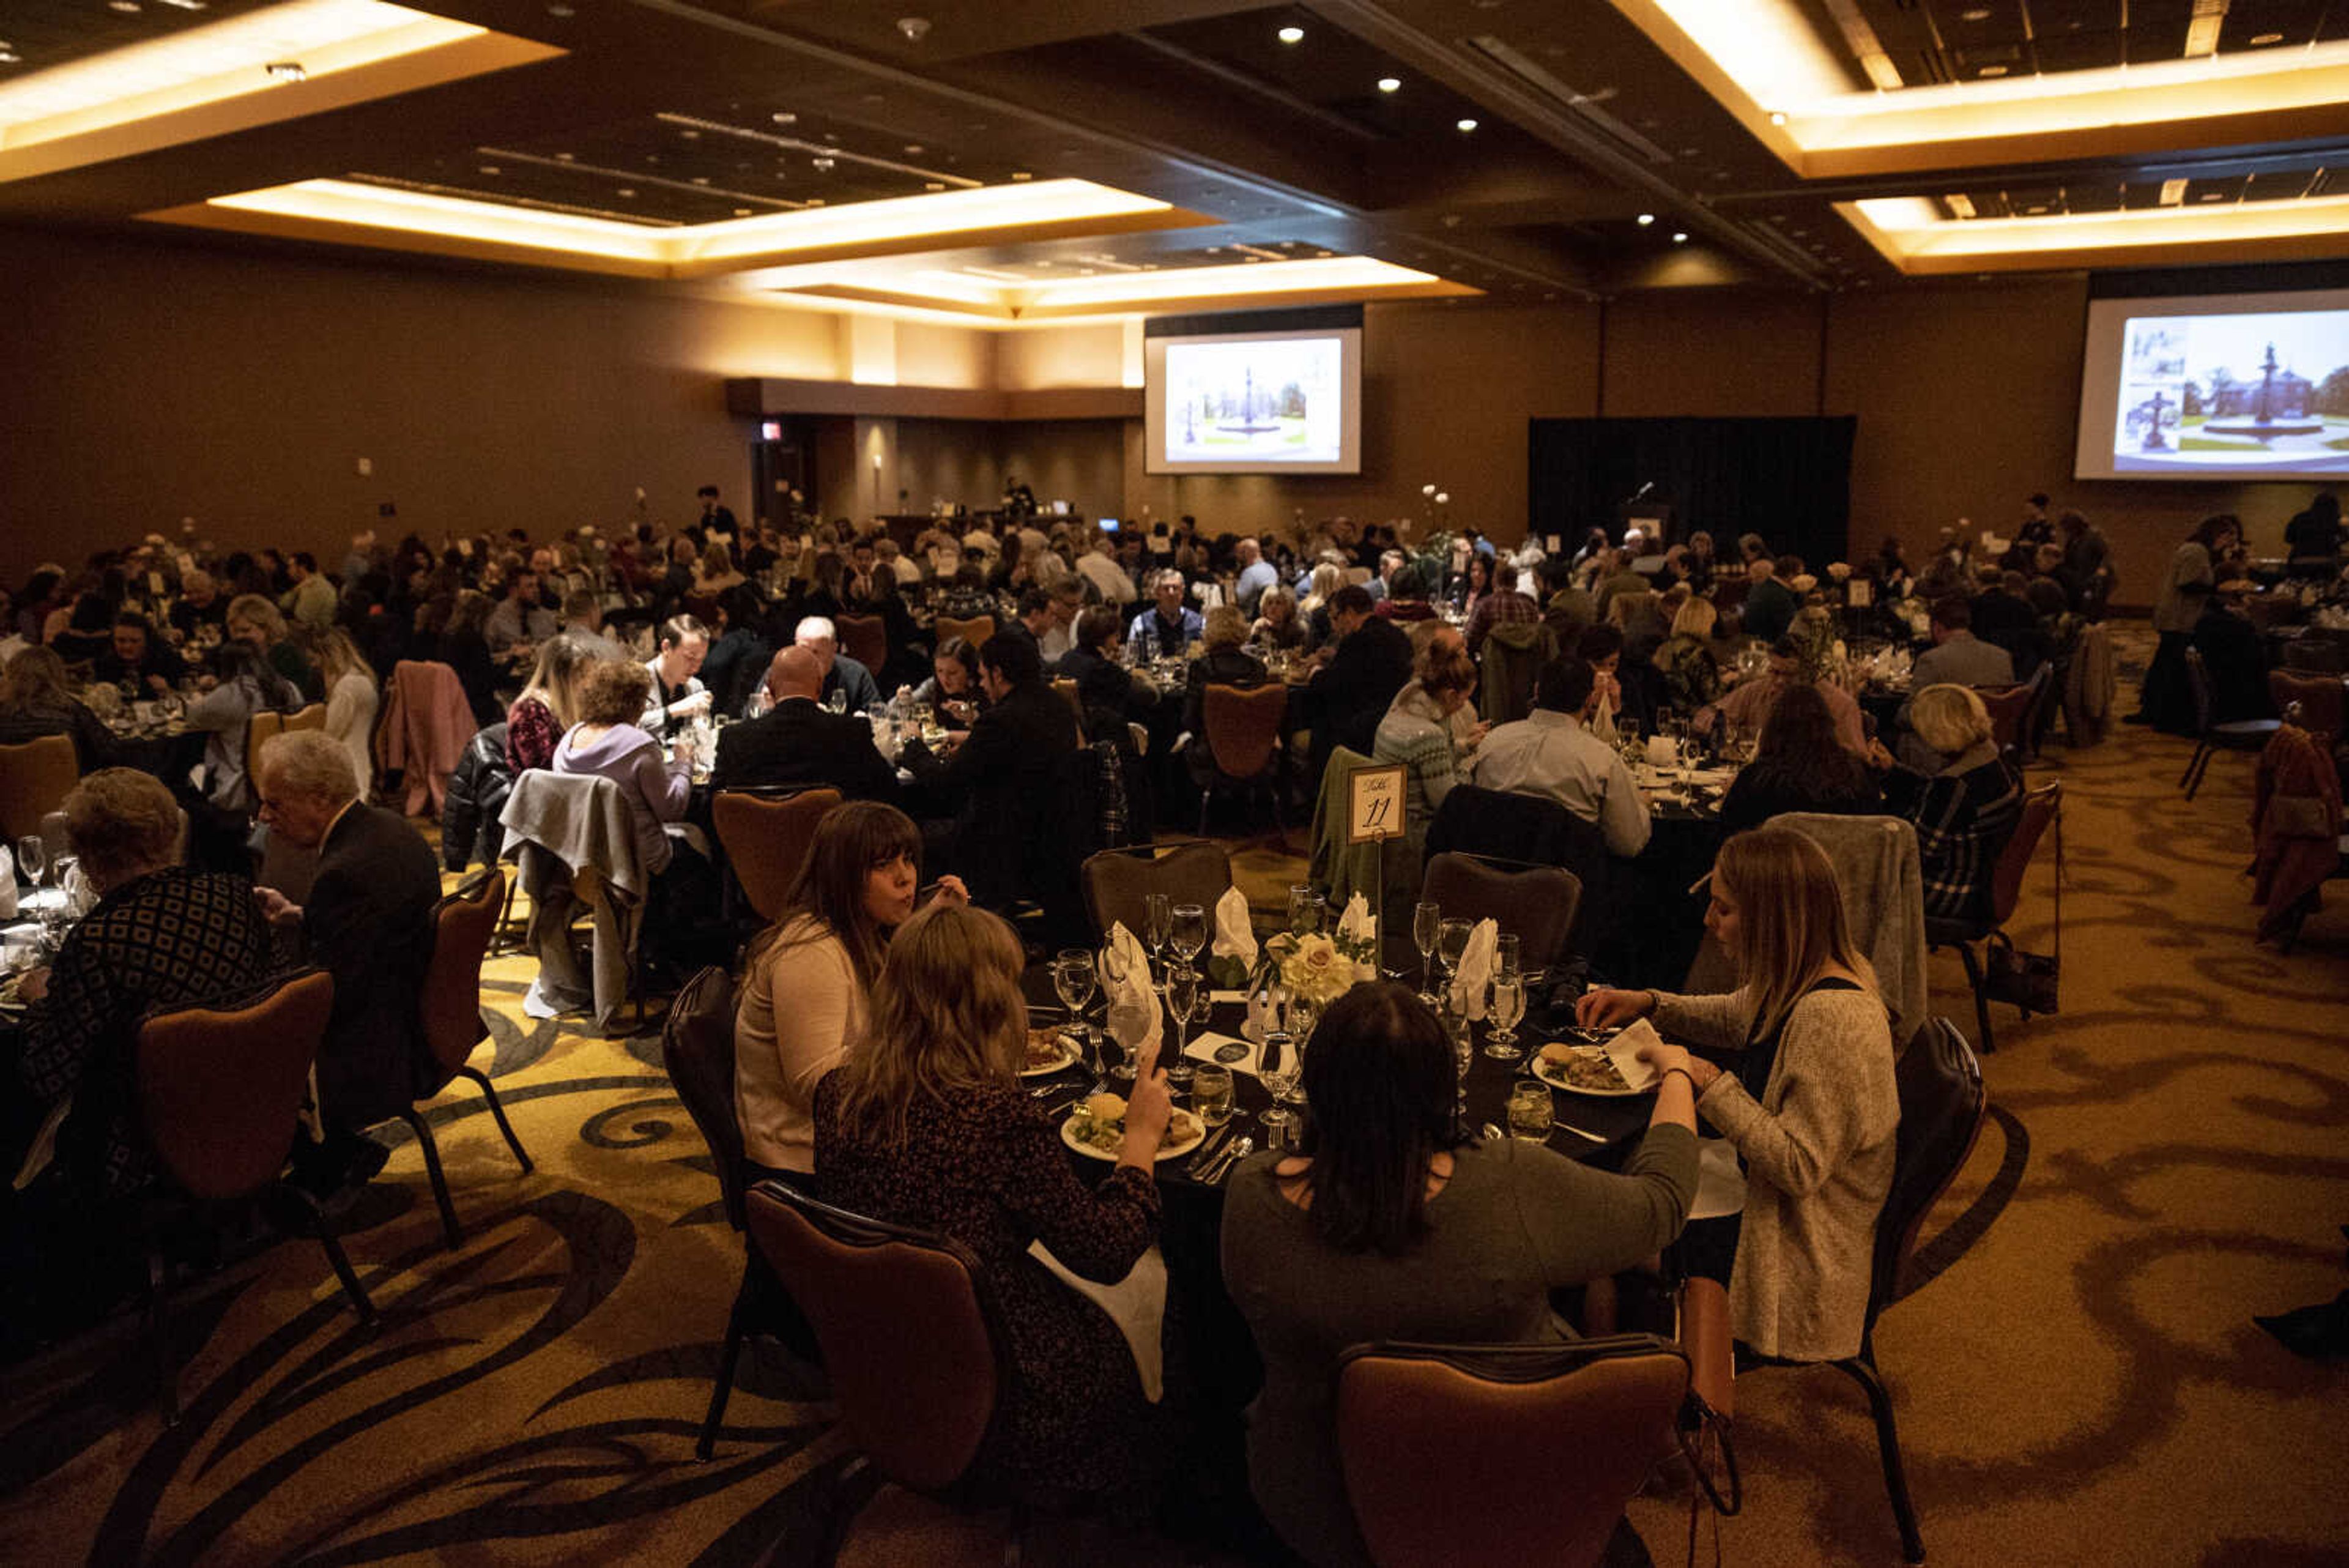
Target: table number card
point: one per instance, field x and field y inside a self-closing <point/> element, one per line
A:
<point x="1374" y="804"/>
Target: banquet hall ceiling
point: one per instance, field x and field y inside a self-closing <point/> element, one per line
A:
<point x="1047" y="158"/>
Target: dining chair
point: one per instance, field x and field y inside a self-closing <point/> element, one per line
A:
<point x="451" y="1005"/>
<point x="575" y="844"/>
<point x="219" y="1094"/>
<point x="974" y="631"/>
<point x="698" y="1049"/>
<point x="864" y="639"/>
<point x="2042" y="808"/>
<point x="313" y="717"/>
<point x="1243" y="736"/>
<point x="2211" y="734"/>
<point x="1535" y="904"/>
<point x="1119" y="882"/>
<point x="2319" y="697"/>
<point x="1501" y="1453"/>
<point x="2009" y="707"/>
<point x="262" y="727"/>
<point x="766" y="840"/>
<point x="1066" y="690"/>
<point x="2312" y="655"/>
<point x="913" y="1341"/>
<point x="34" y="779"/>
<point x="1943" y="1106"/>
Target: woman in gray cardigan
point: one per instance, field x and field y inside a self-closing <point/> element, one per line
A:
<point x="1387" y="1225"/>
<point x="1811" y="1105"/>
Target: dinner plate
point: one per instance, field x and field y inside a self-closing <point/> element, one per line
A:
<point x="1170" y="1151"/>
<point x="1070" y="1055"/>
<point x="1542" y="1070"/>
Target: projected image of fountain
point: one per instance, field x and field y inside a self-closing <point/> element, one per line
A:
<point x="1254" y="411"/>
<point x="2264" y="425"/>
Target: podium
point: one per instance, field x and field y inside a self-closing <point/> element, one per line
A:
<point x="1652" y="518"/>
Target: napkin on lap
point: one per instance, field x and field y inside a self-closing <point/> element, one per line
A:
<point x="1624" y="1052"/>
<point x="1135" y="992"/>
<point x="1235" y="938"/>
<point x="1473" y="981"/>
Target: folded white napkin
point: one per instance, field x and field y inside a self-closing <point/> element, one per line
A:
<point x="1473" y="981"/>
<point x="1136" y="1303"/>
<point x="1624" y="1052"/>
<point x="1235" y="938"/>
<point x="1720" y="1185"/>
<point x="7" y="883"/>
<point x="1355" y="923"/>
<point x="1134" y="995"/>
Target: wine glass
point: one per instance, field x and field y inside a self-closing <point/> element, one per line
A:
<point x="1158" y="922"/>
<point x="1426" y="923"/>
<point x="1189" y="932"/>
<point x="1183" y="998"/>
<point x="1073" y="978"/>
<point x="1129" y="1010"/>
<point x="838" y="702"/>
<point x="32" y="857"/>
<point x="1451" y="945"/>
<point x="1280" y="1064"/>
<point x="1507" y="1006"/>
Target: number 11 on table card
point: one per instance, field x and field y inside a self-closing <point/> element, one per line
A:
<point x="1374" y="804"/>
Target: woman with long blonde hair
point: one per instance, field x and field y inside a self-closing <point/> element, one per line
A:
<point x="1810" y="1104"/>
<point x="927" y="1124"/>
<point x="352" y="698"/>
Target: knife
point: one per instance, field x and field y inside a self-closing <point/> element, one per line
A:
<point x="1209" y="1150"/>
<point x="1228" y="1158"/>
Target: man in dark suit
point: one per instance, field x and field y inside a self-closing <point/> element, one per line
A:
<point x="1349" y="695"/>
<point x="800" y="743"/>
<point x="369" y="921"/>
<point x="1006" y="783"/>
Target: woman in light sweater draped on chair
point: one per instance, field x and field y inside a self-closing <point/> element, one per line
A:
<point x="1811" y="1103"/>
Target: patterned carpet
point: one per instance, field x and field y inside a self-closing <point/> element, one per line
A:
<point x="2080" y="1383"/>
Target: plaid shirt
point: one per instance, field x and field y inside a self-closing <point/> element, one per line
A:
<point x="1493" y="610"/>
<point x="1963" y="818"/>
<point x="170" y="938"/>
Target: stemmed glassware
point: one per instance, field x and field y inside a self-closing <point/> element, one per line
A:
<point x="1426" y="925"/>
<point x="1509" y="1000"/>
<point x="1304" y="911"/>
<point x="1158" y="922"/>
<point x="1185" y="996"/>
<point x="32" y="857"/>
<point x="1073" y="978"/>
<point x="1451" y="946"/>
<point x="1281" y="1066"/>
<point x="1128" y="1017"/>
<point x="1189" y="933"/>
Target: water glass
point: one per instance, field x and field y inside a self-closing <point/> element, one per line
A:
<point x="1188" y="933"/>
<point x="1072" y="977"/>
<point x="1426" y="925"/>
<point x="32" y="857"/>
<point x="1530" y="1112"/>
<point x="1211" y="1094"/>
<point x="838" y="702"/>
<point x="1452" y="945"/>
<point x="1507" y="1006"/>
<point x="1281" y="1066"/>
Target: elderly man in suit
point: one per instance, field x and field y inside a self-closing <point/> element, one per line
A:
<point x="841" y="674"/>
<point x="369" y="921"/>
<point x="800" y="743"/>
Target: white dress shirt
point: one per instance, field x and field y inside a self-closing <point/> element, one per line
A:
<point x="1550" y="755"/>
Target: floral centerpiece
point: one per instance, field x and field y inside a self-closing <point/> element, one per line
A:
<point x="1317" y="967"/>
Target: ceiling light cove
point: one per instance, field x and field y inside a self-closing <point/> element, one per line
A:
<point x="1767" y="63"/>
<point x="278" y="63"/>
<point x="350" y="211"/>
<point x="1911" y="233"/>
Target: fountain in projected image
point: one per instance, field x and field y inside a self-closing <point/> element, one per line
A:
<point x="1255" y="410"/>
<point x="2262" y="425"/>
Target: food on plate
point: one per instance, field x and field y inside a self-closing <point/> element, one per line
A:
<point x="1046" y="1049"/>
<point x="1582" y="1067"/>
<point x="1098" y="1124"/>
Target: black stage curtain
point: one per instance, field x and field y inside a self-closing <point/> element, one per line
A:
<point x="1788" y="479"/>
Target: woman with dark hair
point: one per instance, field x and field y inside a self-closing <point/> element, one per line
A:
<point x="807" y="977"/>
<point x="953" y="688"/>
<point x="2167" y="699"/>
<point x="1477" y="581"/>
<point x="88" y="630"/>
<point x="36" y="700"/>
<point x="927" y="1124"/>
<point x="1800" y="765"/>
<point x="248" y="684"/>
<point x="1387" y="1224"/>
<point x="464" y="647"/>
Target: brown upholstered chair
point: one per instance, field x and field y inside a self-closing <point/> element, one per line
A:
<point x="1502" y="1453"/>
<point x="219" y="1094"/>
<point x="911" y="1337"/>
<point x="1943" y="1106"/>
<point x="766" y="839"/>
<point x="2009" y="707"/>
<point x="864" y="639"/>
<point x="1066" y="690"/>
<point x="34" y="779"/>
<point x="2320" y="698"/>
<point x="1243" y="736"/>
<point x="258" y="729"/>
<point x="313" y="717"/>
<point x="1118" y="882"/>
<point x="2041" y="807"/>
<point x="698" y="1049"/>
<point x="453" y="1021"/>
<point x="974" y="631"/>
<point x="1535" y="904"/>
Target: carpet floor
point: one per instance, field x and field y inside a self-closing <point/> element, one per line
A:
<point x="2078" y="1377"/>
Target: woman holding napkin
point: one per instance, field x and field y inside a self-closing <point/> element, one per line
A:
<point x="1810" y="1106"/>
<point x="1385" y="1224"/>
<point x="927" y="1124"/>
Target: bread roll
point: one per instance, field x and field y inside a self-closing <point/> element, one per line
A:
<point x="1106" y="1107"/>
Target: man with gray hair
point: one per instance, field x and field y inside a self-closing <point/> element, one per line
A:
<point x="841" y="674"/>
<point x="369" y="921"/>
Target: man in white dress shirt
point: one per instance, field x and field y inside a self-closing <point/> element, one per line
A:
<point x="1551" y="753"/>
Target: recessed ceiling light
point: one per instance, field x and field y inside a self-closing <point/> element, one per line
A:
<point x="625" y="191"/>
<point x="932" y="186"/>
<point x="126" y="6"/>
<point x="1021" y="174"/>
<point x="821" y="165"/>
<point x="1647" y="218"/>
<point x="743" y="211"/>
<point x="2262" y="39"/>
<point x="1465" y="124"/>
<point x="913" y="150"/>
<point x="1993" y="70"/>
<point x="278" y="70"/>
<point x="1290" y="34"/>
<point x="1979" y="14"/>
<point x="564" y="157"/>
<point x="688" y="136"/>
<point x="701" y="179"/>
<point x="1777" y="117"/>
<point x="492" y="169"/>
<point x="8" y="57"/>
<point x="559" y="10"/>
<point x="1681" y="237"/>
<point x="187" y="5"/>
<point x="1390" y="84"/>
<point x="785" y="119"/>
<point x="818" y="202"/>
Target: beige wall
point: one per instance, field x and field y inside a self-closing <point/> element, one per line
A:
<point x="146" y="382"/>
